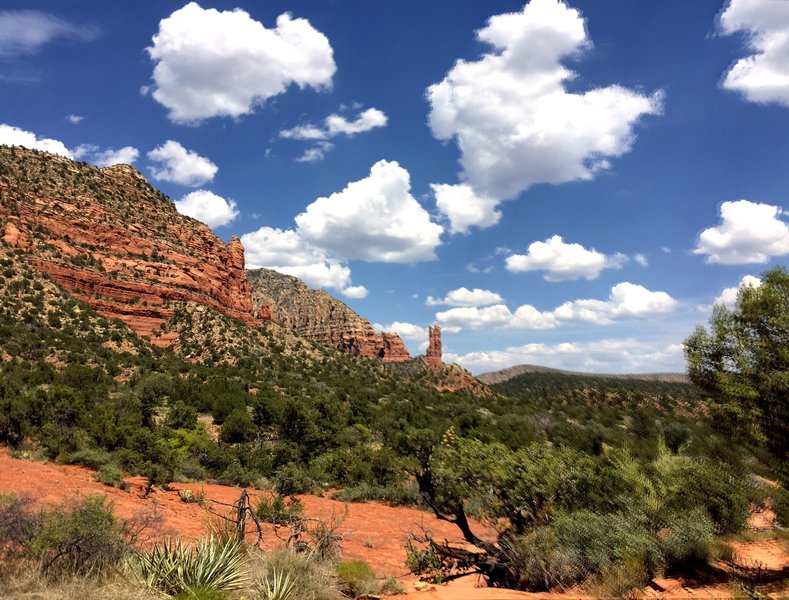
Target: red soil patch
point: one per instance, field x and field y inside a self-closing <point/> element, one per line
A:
<point x="371" y="532"/>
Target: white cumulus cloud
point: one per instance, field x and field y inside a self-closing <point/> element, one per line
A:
<point x="513" y="119"/>
<point x="626" y="301"/>
<point x="333" y="125"/>
<point x="207" y="207"/>
<point x="24" y="32"/>
<point x="562" y="261"/>
<point x="763" y="76"/>
<point x="749" y="233"/>
<point x="179" y="165"/>
<point x="466" y="297"/>
<point x="105" y="158"/>
<point x="373" y="219"/>
<point x="315" y="153"/>
<point x="498" y="315"/>
<point x="74" y="119"/>
<point x="14" y="136"/>
<point x="407" y="331"/>
<point x="603" y="356"/>
<point x="213" y="63"/>
<point x="285" y="251"/>
<point x="464" y="207"/>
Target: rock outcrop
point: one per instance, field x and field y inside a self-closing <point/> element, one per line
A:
<point x="318" y="317"/>
<point x="434" y="351"/>
<point x="115" y="242"/>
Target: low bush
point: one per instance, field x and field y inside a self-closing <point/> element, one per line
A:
<point x="688" y="538"/>
<point x="402" y="493"/>
<point x="624" y="580"/>
<point x="277" y="510"/>
<point x="92" y="458"/>
<point x="109" y="474"/>
<point x="79" y="536"/>
<point x="316" y="579"/>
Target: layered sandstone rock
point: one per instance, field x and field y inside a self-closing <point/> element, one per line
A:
<point x="434" y="350"/>
<point x="317" y="316"/>
<point x="116" y="242"/>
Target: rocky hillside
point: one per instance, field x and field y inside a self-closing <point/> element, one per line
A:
<point x="320" y="318"/>
<point x="114" y="241"/>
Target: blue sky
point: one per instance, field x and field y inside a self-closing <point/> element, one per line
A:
<point x="568" y="184"/>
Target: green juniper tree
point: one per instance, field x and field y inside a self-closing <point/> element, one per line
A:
<point x="742" y="363"/>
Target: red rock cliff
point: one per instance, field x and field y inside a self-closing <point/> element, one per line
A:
<point x="318" y="317"/>
<point x="116" y="242"/>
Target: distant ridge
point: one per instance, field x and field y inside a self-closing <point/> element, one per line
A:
<point x="494" y="377"/>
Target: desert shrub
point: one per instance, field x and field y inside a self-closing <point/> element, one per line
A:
<point x="93" y="458"/>
<point x="423" y="561"/>
<point x="357" y="578"/>
<point x="79" y="536"/>
<point x="675" y="434"/>
<point x="109" y="474"/>
<point x="597" y="541"/>
<point x="688" y="538"/>
<point x="316" y="579"/>
<point x="326" y="542"/>
<point x="236" y="474"/>
<point x="623" y="580"/>
<point x="18" y="524"/>
<point x="202" y="594"/>
<point x="537" y="561"/>
<point x="237" y="427"/>
<point x="277" y="510"/>
<point x="401" y="493"/>
<point x="781" y="506"/>
<point x="293" y="479"/>
<point x="181" y="416"/>
<point x="173" y="568"/>
<point x="722" y="493"/>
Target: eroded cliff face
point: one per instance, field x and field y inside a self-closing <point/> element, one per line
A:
<point x="117" y="243"/>
<point x="317" y="316"/>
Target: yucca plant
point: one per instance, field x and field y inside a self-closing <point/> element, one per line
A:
<point x="280" y="586"/>
<point x="173" y="567"/>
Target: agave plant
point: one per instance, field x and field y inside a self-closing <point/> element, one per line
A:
<point x="280" y="586"/>
<point x="173" y="567"/>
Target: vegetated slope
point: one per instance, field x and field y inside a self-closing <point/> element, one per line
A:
<point x="503" y="375"/>
<point x="567" y="388"/>
<point x="44" y="324"/>
<point x="116" y="242"/>
<point x="319" y="317"/>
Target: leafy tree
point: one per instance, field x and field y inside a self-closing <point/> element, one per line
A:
<point x="742" y="362"/>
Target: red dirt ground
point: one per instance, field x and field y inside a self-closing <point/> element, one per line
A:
<point x="371" y="531"/>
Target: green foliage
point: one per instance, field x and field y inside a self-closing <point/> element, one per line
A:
<point x="78" y="537"/>
<point x="277" y="585"/>
<point x="316" y="579"/>
<point x="624" y="580"/>
<point x="237" y="427"/>
<point x="357" y="578"/>
<point x="173" y="567"/>
<point x="277" y="510"/>
<point x="403" y="493"/>
<point x="181" y="416"/>
<point x="423" y="561"/>
<point x="109" y="474"/>
<point x="742" y="362"/>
